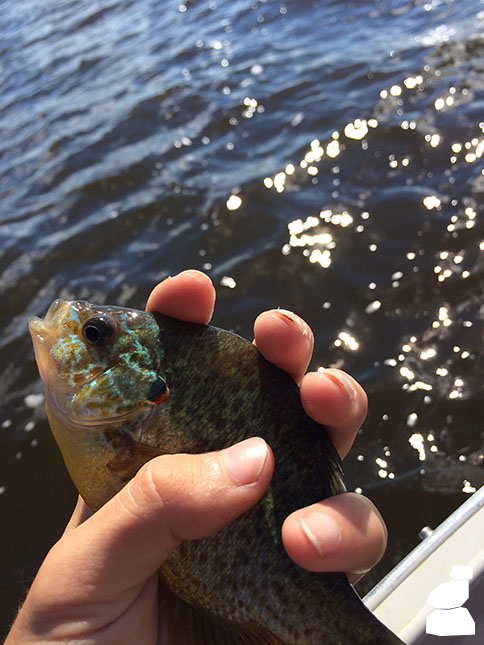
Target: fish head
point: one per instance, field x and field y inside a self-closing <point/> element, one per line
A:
<point x="97" y="363"/>
<point x="101" y="372"/>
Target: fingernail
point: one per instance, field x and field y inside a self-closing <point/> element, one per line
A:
<point x="194" y="272"/>
<point x="342" y="381"/>
<point x="245" y="460"/>
<point x="322" y="531"/>
<point x="291" y="318"/>
<point x="289" y="315"/>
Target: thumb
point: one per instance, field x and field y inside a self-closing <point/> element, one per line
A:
<point x="172" y="498"/>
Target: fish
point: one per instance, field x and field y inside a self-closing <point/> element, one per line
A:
<point x="123" y="386"/>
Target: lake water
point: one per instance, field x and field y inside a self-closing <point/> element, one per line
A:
<point x="322" y="156"/>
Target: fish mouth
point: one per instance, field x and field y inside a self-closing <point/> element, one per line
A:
<point x="55" y="314"/>
<point x="45" y="331"/>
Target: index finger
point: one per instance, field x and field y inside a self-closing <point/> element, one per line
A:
<point x="188" y="296"/>
<point x="284" y="339"/>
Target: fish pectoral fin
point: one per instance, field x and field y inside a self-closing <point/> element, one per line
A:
<point x="130" y="456"/>
<point x="186" y="624"/>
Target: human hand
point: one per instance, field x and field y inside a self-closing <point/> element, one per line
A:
<point x="99" y="583"/>
<point x="343" y="533"/>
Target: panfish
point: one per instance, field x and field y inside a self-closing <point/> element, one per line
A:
<point x="123" y="386"/>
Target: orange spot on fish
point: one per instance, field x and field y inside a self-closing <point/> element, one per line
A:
<point x="160" y="399"/>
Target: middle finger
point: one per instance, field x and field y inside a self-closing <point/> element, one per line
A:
<point x="285" y="340"/>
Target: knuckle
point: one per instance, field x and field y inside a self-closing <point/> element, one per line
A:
<point x="154" y="482"/>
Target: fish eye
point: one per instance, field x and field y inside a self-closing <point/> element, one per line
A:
<point x="98" y="330"/>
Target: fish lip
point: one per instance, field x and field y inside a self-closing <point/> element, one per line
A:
<point x="53" y="315"/>
<point x="56" y="307"/>
<point x="41" y="328"/>
<point x="56" y="314"/>
<point x="40" y="341"/>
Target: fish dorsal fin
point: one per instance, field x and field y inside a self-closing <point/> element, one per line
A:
<point x="185" y="624"/>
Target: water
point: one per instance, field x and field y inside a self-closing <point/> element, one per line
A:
<point x="321" y="156"/>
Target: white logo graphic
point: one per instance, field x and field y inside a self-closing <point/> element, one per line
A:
<point x="449" y="618"/>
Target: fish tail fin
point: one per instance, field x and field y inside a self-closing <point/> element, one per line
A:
<point x="360" y="626"/>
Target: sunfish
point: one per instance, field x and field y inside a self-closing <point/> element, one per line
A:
<point x="123" y="386"/>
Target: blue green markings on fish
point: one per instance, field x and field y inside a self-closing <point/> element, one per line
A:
<point x="123" y="386"/>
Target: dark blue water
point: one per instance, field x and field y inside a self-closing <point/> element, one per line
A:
<point x="351" y="134"/>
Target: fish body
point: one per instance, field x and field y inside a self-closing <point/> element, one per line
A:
<point x="123" y="386"/>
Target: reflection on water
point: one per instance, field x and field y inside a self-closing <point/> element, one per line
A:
<point x="313" y="155"/>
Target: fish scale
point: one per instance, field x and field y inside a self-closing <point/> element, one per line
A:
<point x="239" y="584"/>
